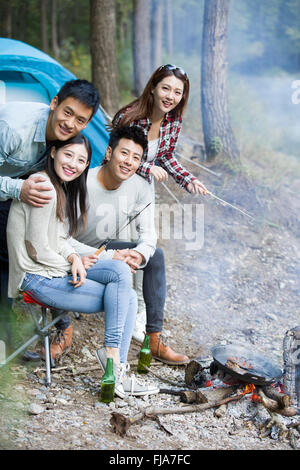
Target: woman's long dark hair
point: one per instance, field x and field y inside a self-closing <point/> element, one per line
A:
<point x="69" y="194"/>
<point x="142" y="107"/>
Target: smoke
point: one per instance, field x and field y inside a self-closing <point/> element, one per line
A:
<point x="273" y="105"/>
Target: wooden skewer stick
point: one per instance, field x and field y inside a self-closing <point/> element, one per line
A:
<point x="101" y="249"/>
<point x="200" y="166"/>
<point x="230" y="205"/>
<point x="173" y="195"/>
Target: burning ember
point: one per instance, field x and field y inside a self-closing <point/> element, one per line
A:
<point x="250" y="388"/>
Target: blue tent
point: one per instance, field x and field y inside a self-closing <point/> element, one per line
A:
<point x="27" y="74"/>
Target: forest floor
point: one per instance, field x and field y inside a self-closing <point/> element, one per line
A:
<point x="240" y="285"/>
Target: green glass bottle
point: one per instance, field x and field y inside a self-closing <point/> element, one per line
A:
<point x="145" y="356"/>
<point x="108" y="383"/>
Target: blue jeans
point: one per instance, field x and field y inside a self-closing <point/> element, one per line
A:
<point x="108" y="288"/>
<point x="154" y="285"/>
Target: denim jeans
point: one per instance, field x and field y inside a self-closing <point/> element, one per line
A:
<point x="154" y="285"/>
<point x="108" y="288"/>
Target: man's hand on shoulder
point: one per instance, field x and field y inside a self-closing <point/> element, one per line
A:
<point x="34" y="193"/>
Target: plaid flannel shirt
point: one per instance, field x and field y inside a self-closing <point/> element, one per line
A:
<point x="169" y="131"/>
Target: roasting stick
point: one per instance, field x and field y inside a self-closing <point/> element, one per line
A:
<point x="213" y="195"/>
<point x="230" y="205"/>
<point x="200" y="166"/>
<point x="105" y="242"/>
<point x="173" y="195"/>
<point x="102" y="247"/>
<point x="210" y="194"/>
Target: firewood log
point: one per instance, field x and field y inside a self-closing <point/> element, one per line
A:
<point x="193" y="396"/>
<point x="203" y="395"/>
<point x="197" y="371"/>
<point x="283" y="400"/>
<point x="210" y="395"/>
<point x="272" y="405"/>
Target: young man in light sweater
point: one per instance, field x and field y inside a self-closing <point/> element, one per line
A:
<point x="115" y="195"/>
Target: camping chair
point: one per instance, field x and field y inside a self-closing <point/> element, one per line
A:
<point x="42" y="331"/>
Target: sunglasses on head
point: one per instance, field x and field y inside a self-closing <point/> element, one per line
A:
<point x="174" y="67"/>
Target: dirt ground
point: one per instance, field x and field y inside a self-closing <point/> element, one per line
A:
<point x="239" y="284"/>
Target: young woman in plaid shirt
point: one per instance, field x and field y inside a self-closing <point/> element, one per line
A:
<point x="159" y="112"/>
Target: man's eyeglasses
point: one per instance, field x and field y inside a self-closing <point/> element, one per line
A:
<point x="174" y="67"/>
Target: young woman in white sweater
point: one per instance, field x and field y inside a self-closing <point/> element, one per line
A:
<point x="45" y="264"/>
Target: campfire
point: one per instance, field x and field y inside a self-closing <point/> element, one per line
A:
<point x="245" y="372"/>
<point x="231" y="375"/>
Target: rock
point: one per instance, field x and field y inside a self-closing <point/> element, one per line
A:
<point x="41" y="396"/>
<point x="61" y="401"/>
<point x="131" y="401"/>
<point x="271" y="316"/>
<point x="35" y="409"/>
<point x="33" y="392"/>
<point x="87" y="353"/>
<point x="97" y="404"/>
<point x="121" y="403"/>
<point x="62" y="396"/>
<point x="50" y="406"/>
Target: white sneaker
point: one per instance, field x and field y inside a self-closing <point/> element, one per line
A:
<point x="140" y="327"/>
<point x="119" y="372"/>
<point x="132" y="387"/>
<point x="125" y="385"/>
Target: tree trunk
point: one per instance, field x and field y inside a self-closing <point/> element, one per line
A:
<point x="23" y="15"/>
<point x="157" y="30"/>
<point x="141" y="44"/>
<point x="6" y="19"/>
<point x="169" y="19"/>
<point x="218" y="134"/>
<point x="44" y="32"/>
<point x="54" y="29"/>
<point x="104" y="55"/>
<point x="123" y="23"/>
